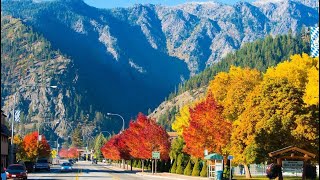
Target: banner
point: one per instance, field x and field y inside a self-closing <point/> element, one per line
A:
<point x="314" y="34"/>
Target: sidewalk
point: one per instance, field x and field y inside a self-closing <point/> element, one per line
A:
<point x="166" y="175"/>
<point x="147" y="173"/>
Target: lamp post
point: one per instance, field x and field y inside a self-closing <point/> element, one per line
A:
<point x="104" y="131"/>
<point x="13" y="113"/>
<point x="107" y="132"/>
<point x="111" y="114"/>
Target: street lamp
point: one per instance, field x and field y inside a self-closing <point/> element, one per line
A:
<point x="107" y="132"/>
<point x="110" y="114"/>
<point x="13" y="113"/>
<point x="104" y="131"/>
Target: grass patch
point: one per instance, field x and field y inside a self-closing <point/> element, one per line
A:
<point x="265" y="178"/>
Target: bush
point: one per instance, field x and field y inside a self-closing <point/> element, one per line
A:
<point x="196" y="169"/>
<point x="174" y="167"/>
<point x="179" y="164"/>
<point x="188" y="169"/>
<point x="163" y="166"/>
<point x="203" y="172"/>
<point x="139" y="164"/>
<point x="168" y="166"/>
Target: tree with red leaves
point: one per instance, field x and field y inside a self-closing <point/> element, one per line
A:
<point x="63" y="153"/>
<point x="35" y="149"/>
<point x="115" y="148"/>
<point x="207" y="129"/>
<point x="73" y="152"/>
<point x="144" y="136"/>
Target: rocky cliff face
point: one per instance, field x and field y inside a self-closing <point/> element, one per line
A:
<point x="127" y="60"/>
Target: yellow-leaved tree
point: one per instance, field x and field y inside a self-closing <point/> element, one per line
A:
<point x="182" y="120"/>
<point x="311" y="96"/>
<point x="231" y="89"/>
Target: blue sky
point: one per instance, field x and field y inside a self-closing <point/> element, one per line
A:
<point x="128" y="3"/>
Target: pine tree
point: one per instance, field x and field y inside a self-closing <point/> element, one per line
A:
<point x="76" y="138"/>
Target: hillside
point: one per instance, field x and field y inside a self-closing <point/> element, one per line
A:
<point x="125" y="60"/>
<point x="260" y="55"/>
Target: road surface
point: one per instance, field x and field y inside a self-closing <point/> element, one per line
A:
<point x="86" y="171"/>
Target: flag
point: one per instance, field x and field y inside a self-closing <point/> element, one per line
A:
<point x="17" y="116"/>
<point x="314" y="34"/>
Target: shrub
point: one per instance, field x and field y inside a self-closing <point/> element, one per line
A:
<point x="179" y="164"/>
<point x="203" y="172"/>
<point x="196" y="169"/>
<point x="174" y="167"/>
<point x="188" y="169"/>
<point x="139" y="164"/>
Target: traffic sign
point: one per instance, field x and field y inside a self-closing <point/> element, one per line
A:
<point x="230" y="157"/>
<point x="155" y="155"/>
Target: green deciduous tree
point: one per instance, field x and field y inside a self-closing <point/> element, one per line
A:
<point x="98" y="143"/>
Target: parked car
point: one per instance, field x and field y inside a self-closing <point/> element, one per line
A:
<point x="17" y="171"/>
<point x="29" y="166"/>
<point x="42" y="164"/>
<point x="71" y="161"/>
<point x="94" y="161"/>
<point x="66" y="166"/>
<point x="3" y="173"/>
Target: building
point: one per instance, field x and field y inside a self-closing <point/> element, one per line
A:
<point x="4" y="140"/>
<point x="172" y="135"/>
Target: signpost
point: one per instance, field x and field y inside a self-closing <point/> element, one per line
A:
<point x="230" y="158"/>
<point x="155" y="156"/>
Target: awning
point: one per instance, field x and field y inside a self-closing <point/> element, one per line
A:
<point x="214" y="156"/>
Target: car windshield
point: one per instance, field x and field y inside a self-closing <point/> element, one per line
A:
<point x="42" y="161"/>
<point x="16" y="167"/>
<point x="66" y="164"/>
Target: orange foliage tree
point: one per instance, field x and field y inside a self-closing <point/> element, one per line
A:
<point x="115" y="148"/>
<point x="35" y="149"/>
<point x="73" y="152"/>
<point x="63" y="153"/>
<point x="144" y="136"/>
<point x="207" y="128"/>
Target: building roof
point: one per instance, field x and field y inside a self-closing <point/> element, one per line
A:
<point x="291" y="148"/>
<point x="4" y="130"/>
<point x="172" y="134"/>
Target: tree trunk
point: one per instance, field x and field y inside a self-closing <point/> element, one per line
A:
<point x="247" y="170"/>
<point x="142" y="164"/>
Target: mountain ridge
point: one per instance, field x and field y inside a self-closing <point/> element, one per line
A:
<point x="128" y="60"/>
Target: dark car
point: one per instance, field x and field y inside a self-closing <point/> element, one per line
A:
<point x="29" y="165"/>
<point x="17" y="171"/>
<point x="71" y="161"/>
<point x="42" y="164"/>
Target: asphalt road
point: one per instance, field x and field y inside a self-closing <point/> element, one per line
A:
<point x="86" y="171"/>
